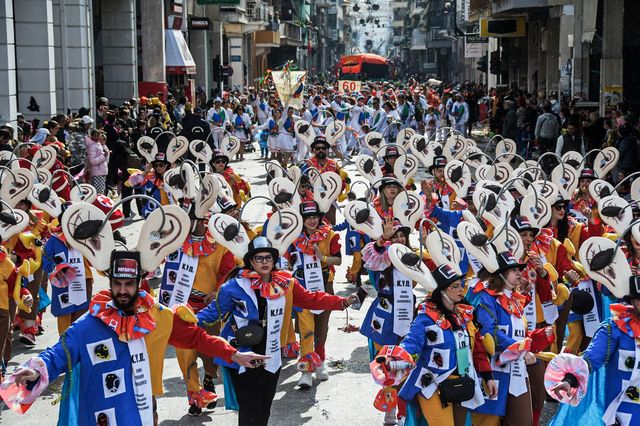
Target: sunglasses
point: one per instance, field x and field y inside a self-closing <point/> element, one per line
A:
<point x="263" y="259"/>
<point x="159" y="165"/>
<point x="320" y="148"/>
<point x="559" y="206"/>
<point x="220" y="161"/>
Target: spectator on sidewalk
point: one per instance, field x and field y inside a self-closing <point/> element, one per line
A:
<point x="97" y="161"/>
<point x="547" y="129"/>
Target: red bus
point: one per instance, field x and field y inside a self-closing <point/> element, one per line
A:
<point x="364" y="66"/>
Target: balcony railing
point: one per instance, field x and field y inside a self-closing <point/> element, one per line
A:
<point x="290" y="33"/>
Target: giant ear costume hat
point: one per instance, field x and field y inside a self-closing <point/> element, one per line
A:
<point x="283" y="228"/>
<point x="165" y="147"/>
<point x="87" y="229"/>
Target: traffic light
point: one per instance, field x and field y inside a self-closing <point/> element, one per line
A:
<point x="494" y="63"/>
<point x="482" y="64"/>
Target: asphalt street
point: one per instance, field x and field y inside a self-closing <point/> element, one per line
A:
<point x="346" y="398"/>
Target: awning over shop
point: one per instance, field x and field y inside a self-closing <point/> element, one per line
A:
<point x="178" y="56"/>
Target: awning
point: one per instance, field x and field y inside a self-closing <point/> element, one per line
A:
<point x="178" y="56"/>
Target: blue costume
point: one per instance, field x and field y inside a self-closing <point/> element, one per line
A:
<point x="56" y="248"/>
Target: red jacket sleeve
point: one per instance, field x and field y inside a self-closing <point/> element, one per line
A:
<point x="563" y="263"/>
<point x="186" y="335"/>
<point x="480" y="358"/>
<point x="543" y="288"/>
<point x="227" y="264"/>
<point x="316" y="300"/>
<point x="539" y="339"/>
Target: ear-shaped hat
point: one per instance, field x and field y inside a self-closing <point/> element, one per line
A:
<point x="634" y="191"/>
<point x="374" y="140"/>
<point x="507" y="148"/>
<point x="408" y="207"/>
<point x="283" y="192"/>
<point x="294" y="174"/>
<point x="79" y="224"/>
<point x="147" y="148"/>
<point x="495" y="209"/>
<point x="573" y="159"/>
<point x="15" y="185"/>
<point x="536" y="209"/>
<point x="45" y="199"/>
<point x="443" y="249"/>
<point x="223" y="185"/>
<point x="228" y="232"/>
<point x="12" y="222"/>
<point x="174" y="183"/>
<point x="9" y="159"/>
<point x="547" y="190"/>
<point x="606" y="264"/>
<point x="405" y="168"/>
<point x="508" y="239"/>
<point x="474" y="158"/>
<point x="274" y="169"/>
<point x="485" y="172"/>
<point x="565" y="178"/>
<point x="477" y="244"/>
<point x="156" y="241"/>
<point x="201" y="151"/>
<point x="364" y="218"/>
<point x="304" y="131"/>
<point x="176" y="147"/>
<point x="434" y="149"/>
<point x="605" y="161"/>
<point x="334" y="131"/>
<point x="230" y="145"/>
<point x="599" y="189"/>
<point x="283" y="228"/>
<point x="453" y="147"/>
<point x="404" y="137"/>
<point x="502" y="172"/>
<point x="207" y="195"/>
<point x="44" y="157"/>
<point x="418" y="146"/>
<point x="368" y="168"/>
<point x="458" y="176"/>
<point x="326" y="190"/>
<point x="615" y="212"/>
<point x="411" y="265"/>
<point x="44" y="177"/>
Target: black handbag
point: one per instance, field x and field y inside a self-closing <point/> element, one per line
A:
<point x="249" y="335"/>
<point x="456" y="390"/>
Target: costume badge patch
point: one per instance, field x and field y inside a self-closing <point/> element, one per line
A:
<point x="434" y="335"/>
<point x="63" y="298"/>
<point x="101" y="351"/>
<point x="439" y="359"/>
<point x="113" y="383"/>
<point x="626" y="360"/>
<point x="106" y="417"/>
<point x="377" y="323"/>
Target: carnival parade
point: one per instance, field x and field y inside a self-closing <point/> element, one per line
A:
<point x="368" y="246"/>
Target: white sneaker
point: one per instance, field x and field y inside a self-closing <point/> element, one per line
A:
<point x="305" y="381"/>
<point x="321" y="373"/>
<point x="390" y="417"/>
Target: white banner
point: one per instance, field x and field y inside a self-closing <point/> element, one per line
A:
<point x="287" y="85"/>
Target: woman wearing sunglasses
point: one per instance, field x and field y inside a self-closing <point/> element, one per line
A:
<point x="569" y="234"/>
<point x="240" y="187"/>
<point x="255" y="303"/>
